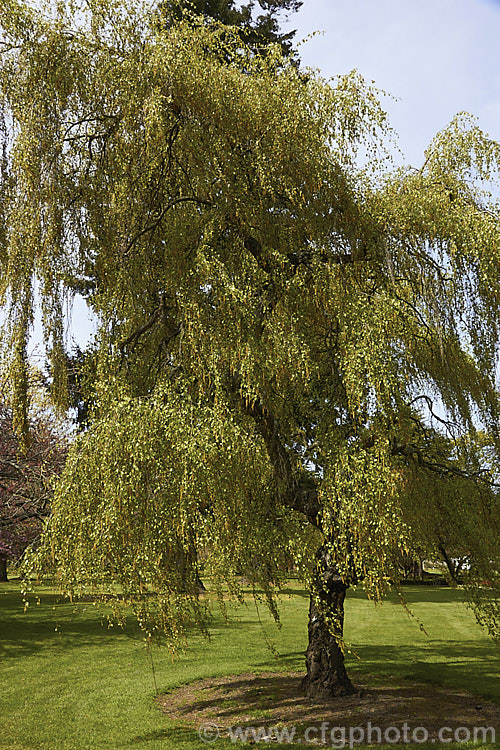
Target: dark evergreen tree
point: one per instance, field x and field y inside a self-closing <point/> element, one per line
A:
<point x="256" y="29"/>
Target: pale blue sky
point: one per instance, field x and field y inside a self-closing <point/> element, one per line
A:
<point x="437" y="57"/>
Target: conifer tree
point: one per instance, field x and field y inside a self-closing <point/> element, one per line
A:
<point x="257" y="29"/>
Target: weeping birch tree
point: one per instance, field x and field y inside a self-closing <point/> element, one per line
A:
<point x="297" y="340"/>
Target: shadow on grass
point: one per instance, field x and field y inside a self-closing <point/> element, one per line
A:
<point x="411" y="594"/>
<point x="414" y="594"/>
<point x="465" y="664"/>
<point x="250" y="701"/>
<point x="55" y="623"/>
<point x="304" y="593"/>
<point x="58" y="624"/>
<point x="26" y="635"/>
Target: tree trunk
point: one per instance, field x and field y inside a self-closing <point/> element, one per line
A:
<point x="326" y="675"/>
<point x="3" y="568"/>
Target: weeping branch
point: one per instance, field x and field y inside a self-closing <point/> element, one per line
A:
<point x="298" y="492"/>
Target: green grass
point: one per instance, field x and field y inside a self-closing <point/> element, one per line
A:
<point x="453" y="650"/>
<point x="70" y="683"/>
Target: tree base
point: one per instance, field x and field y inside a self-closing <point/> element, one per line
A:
<point x="321" y="690"/>
<point x="326" y="676"/>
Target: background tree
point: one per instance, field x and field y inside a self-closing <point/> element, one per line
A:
<point x="81" y="378"/>
<point x="26" y="483"/>
<point x="256" y="31"/>
<point x="274" y="316"/>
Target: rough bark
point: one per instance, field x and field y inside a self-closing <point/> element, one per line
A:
<point x="326" y="675"/>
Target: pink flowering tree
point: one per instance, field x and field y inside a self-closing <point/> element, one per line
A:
<point x="26" y="480"/>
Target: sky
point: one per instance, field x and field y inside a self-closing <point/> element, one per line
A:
<point x="435" y="57"/>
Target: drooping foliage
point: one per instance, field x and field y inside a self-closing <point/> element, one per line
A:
<point x="278" y="312"/>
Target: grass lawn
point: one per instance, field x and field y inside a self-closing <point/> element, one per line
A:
<point x="70" y="683"/>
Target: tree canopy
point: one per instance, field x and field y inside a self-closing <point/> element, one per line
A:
<point x="280" y="310"/>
